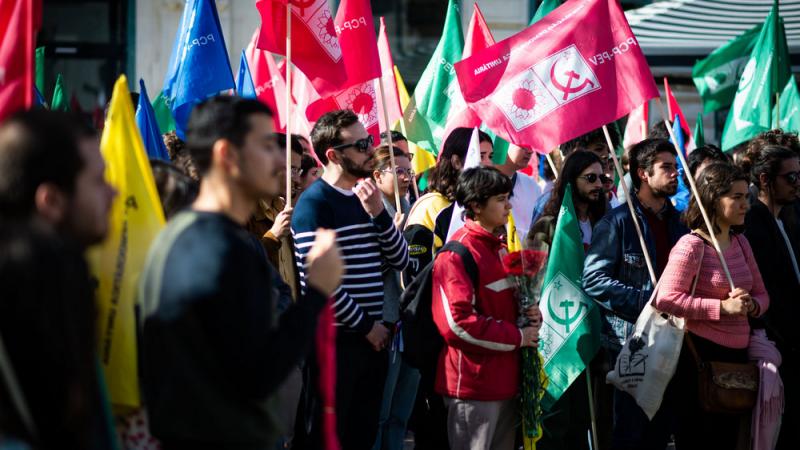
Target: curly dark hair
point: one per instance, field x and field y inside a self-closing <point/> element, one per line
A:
<point x="776" y="137"/>
<point x="590" y="139"/>
<point x="478" y="184"/>
<point x="713" y="183"/>
<point x="443" y="177"/>
<point x="768" y="162"/>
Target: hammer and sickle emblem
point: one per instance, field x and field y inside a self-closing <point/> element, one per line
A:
<point x="570" y="309"/>
<point x="571" y="76"/>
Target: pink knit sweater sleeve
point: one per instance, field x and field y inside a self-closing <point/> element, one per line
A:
<point x="675" y="293"/>
<point x="758" y="291"/>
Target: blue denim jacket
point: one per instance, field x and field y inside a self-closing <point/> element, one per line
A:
<point x="615" y="273"/>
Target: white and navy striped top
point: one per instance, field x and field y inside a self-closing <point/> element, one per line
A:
<point x="367" y="246"/>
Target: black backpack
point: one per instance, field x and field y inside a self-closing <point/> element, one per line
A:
<point x="421" y="339"/>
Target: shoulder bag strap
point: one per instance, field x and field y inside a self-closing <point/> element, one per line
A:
<point x="689" y="342"/>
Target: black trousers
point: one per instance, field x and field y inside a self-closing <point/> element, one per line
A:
<point x="697" y="428"/>
<point x="360" y="378"/>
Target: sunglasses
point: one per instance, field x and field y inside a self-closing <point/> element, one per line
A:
<point x="361" y="145"/>
<point x="593" y="177"/>
<point x="791" y="177"/>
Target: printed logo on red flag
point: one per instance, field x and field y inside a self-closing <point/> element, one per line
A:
<point x="361" y="99"/>
<point x="320" y="23"/>
<point x="556" y="81"/>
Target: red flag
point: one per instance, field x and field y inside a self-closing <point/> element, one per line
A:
<point x="269" y="83"/>
<point x="303" y="94"/>
<point x="361" y="99"/>
<point x="356" y="33"/>
<point x="393" y="105"/>
<point x="360" y="48"/>
<point x="674" y="109"/>
<point x="578" y="68"/>
<point x="478" y="38"/>
<point x="315" y="46"/>
<point x="636" y="128"/>
<point x="19" y="20"/>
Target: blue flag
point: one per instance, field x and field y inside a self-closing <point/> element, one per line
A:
<point x="38" y="98"/>
<point x="148" y="127"/>
<point x="681" y="199"/>
<point x="199" y="67"/>
<point x="244" y="82"/>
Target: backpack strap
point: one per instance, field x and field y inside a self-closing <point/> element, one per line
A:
<point x="466" y="258"/>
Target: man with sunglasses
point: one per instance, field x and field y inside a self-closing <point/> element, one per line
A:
<point x="773" y="235"/>
<point x="348" y="201"/>
<point x="615" y="274"/>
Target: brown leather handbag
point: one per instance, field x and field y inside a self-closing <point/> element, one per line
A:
<point x="725" y="387"/>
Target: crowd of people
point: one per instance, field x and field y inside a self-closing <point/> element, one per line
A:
<point x="231" y="294"/>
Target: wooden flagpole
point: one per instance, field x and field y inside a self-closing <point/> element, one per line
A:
<point x="288" y="104"/>
<point x="709" y="226"/>
<point x="552" y="164"/>
<point x="392" y="164"/>
<point x="629" y="201"/>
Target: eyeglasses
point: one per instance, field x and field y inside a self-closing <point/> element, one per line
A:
<point x="591" y="178"/>
<point x="400" y="171"/>
<point x="791" y="177"/>
<point x="361" y="145"/>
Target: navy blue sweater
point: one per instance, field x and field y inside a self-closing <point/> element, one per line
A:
<point x="367" y="245"/>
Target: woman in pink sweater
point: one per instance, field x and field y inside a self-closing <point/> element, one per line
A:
<point x="716" y="317"/>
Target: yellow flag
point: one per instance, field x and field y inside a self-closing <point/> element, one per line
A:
<point x="514" y="244"/>
<point x="423" y="159"/>
<point x="136" y="218"/>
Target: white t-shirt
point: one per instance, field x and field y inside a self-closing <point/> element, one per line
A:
<point x="526" y="194"/>
<point x="789" y="247"/>
<point x="586" y="231"/>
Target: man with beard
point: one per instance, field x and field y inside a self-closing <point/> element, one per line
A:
<point x="568" y="420"/>
<point x="349" y="202"/>
<point x="773" y="235"/>
<point x="616" y="276"/>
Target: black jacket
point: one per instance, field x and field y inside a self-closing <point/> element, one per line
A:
<point x="776" y="269"/>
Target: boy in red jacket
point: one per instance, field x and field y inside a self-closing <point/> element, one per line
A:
<point x="478" y="369"/>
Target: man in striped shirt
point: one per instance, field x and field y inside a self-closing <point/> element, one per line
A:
<point x="347" y="201"/>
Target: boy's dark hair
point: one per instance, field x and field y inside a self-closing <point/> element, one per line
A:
<point x="37" y="146"/>
<point x="396" y="136"/>
<point x="297" y="144"/>
<point x="573" y="165"/>
<point x="768" y="162"/>
<point x="175" y="189"/>
<point x="712" y="183"/>
<point x="589" y="140"/>
<point x="708" y="151"/>
<point x="643" y="156"/>
<point x="775" y="137"/>
<point x="327" y="132"/>
<point x="220" y="117"/>
<point x="478" y="184"/>
<point x="444" y="176"/>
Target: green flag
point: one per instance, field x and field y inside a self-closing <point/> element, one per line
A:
<point x="717" y="76"/>
<point x="699" y="133"/>
<point x="427" y="110"/>
<point x="790" y="107"/>
<point x="166" y="122"/>
<point x="545" y="7"/>
<point x="569" y="337"/>
<point x="765" y="74"/>
<point x="40" y="69"/>
<point x="59" y="101"/>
